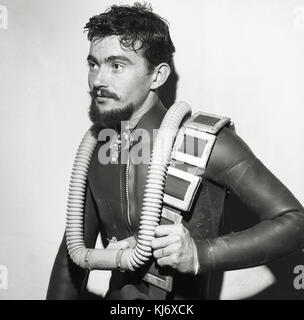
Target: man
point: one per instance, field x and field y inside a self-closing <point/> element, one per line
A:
<point x="130" y="59"/>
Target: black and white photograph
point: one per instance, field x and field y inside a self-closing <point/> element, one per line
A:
<point x="152" y="150"/>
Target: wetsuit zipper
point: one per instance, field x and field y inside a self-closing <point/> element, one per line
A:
<point x="124" y="175"/>
<point x="127" y="189"/>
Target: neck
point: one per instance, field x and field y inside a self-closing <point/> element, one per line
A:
<point x="143" y="109"/>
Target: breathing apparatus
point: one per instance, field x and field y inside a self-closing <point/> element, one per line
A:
<point x="152" y="200"/>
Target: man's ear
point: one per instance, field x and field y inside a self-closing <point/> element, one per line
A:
<point x="160" y="75"/>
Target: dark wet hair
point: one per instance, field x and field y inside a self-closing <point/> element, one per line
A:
<point x="135" y="25"/>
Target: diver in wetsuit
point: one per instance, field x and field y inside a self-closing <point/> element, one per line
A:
<point x="130" y="59"/>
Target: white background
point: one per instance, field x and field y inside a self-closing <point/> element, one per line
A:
<point x="239" y="58"/>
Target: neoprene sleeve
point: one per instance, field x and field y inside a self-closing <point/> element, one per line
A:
<point x="67" y="279"/>
<point x="281" y="230"/>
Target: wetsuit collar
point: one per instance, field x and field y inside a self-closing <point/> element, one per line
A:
<point x="150" y="119"/>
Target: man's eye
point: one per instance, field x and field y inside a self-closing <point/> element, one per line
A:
<point x="117" y="66"/>
<point x="92" y="65"/>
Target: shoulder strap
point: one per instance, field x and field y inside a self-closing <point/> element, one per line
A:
<point x="191" y="152"/>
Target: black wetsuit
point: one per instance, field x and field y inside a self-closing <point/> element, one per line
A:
<point x="232" y="166"/>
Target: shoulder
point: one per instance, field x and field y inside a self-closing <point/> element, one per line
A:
<point x="218" y="146"/>
<point x="228" y="151"/>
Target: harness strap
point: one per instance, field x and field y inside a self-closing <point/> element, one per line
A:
<point x="190" y="155"/>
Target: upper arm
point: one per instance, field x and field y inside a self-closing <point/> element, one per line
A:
<point x="233" y="165"/>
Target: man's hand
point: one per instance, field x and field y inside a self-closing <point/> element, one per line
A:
<point x="174" y="247"/>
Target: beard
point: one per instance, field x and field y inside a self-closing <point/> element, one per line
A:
<point x="109" y="118"/>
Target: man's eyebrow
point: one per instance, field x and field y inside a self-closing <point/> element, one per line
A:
<point x="92" y="58"/>
<point x="122" y="58"/>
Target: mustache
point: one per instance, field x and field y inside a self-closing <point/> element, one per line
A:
<point x="101" y="92"/>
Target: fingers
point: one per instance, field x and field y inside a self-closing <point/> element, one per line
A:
<point x="166" y="229"/>
<point x="173" y="247"/>
<point x="165" y="251"/>
<point x="170" y="261"/>
<point x="166" y="235"/>
<point x="162" y="242"/>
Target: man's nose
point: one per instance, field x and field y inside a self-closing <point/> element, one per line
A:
<point x="102" y="78"/>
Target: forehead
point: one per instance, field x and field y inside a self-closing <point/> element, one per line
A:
<point x="111" y="46"/>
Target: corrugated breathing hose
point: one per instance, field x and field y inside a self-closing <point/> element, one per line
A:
<point x="152" y="201"/>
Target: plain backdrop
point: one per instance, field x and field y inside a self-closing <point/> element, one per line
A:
<point x="239" y="58"/>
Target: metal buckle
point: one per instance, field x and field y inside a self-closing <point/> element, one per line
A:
<point x="171" y="215"/>
<point x="164" y="282"/>
<point x="207" y="143"/>
<point x="194" y="181"/>
<point x="213" y="129"/>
